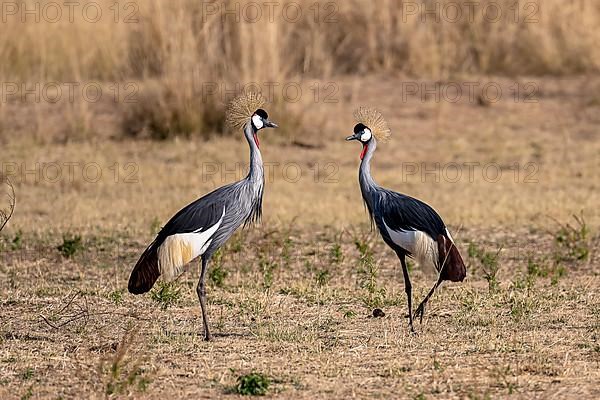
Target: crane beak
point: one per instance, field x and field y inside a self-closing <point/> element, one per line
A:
<point x="270" y="124"/>
<point x="353" y="137"/>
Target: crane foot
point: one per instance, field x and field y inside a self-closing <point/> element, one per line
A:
<point x="420" y="312"/>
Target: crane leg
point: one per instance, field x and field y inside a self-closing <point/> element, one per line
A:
<point x="408" y="289"/>
<point x="421" y="309"/>
<point x="201" y="291"/>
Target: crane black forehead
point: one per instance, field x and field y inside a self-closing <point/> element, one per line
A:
<point x="261" y="113"/>
<point x="359" y="128"/>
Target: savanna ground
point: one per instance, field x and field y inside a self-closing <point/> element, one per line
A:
<point x="516" y="180"/>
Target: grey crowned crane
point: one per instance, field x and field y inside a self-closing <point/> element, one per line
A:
<point x="203" y="226"/>
<point x="409" y="226"/>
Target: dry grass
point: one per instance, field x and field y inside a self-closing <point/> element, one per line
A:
<point x="180" y="59"/>
<point x="186" y="40"/>
<point x="69" y="330"/>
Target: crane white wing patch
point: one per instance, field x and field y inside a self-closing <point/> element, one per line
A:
<point x="419" y="244"/>
<point x="449" y="235"/>
<point x="179" y="249"/>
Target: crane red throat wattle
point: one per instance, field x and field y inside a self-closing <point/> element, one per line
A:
<point x="364" y="150"/>
<point x="256" y="140"/>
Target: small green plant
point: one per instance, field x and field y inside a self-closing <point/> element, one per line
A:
<point x="367" y="276"/>
<point x="217" y="274"/>
<point x="348" y="313"/>
<point x="523" y="282"/>
<point x="489" y="264"/>
<point x="71" y="244"/>
<point x="527" y="281"/>
<point x="322" y="277"/>
<point x="544" y="268"/>
<point x="286" y="251"/>
<point x="253" y="384"/>
<point x="116" y="296"/>
<point x="473" y="250"/>
<point x="535" y="268"/>
<point x="336" y="256"/>
<point x="268" y="268"/>
<point x="17" y="241"/>
<point x="520" y="307"/>
<point x="27" y="374"/>
<point x="167" y="294"/>
<point x="572" y="242"/>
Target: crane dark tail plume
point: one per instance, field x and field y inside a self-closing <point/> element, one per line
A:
<point x="453" y="266"/>
<point x="145" y="273"/>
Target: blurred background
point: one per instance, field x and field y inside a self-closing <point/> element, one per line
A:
<point x="169" y="65"/>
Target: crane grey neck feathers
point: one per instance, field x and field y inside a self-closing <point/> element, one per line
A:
<point x="367" y="183"/>
<point x="256" y="177"/>
<point x="256" y="172"/>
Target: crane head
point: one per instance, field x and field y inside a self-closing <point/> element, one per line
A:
<point x="363" y="134"/>
<point x="260" y="120"/>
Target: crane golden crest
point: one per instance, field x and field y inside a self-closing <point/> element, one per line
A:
<point x="242" y="107"/>
<point x="374" y="120"/>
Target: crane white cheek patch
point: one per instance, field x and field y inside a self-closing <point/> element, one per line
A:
<point x="366" y="136"/>
<point x="257" y="121"/>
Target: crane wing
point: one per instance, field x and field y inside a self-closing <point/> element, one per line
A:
<point x="419" y="230"/>
<point x="403" y="213"/>
<point x="412" y="225"/>
<point x="185" y="236"/>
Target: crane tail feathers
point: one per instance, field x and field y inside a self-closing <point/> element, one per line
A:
<point x="452" y="265"/>
<point x="145" y="273"/>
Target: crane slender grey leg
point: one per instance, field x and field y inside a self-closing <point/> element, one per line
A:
<point x="420" y="312"/>
<point x="201" y="290"/>
<point x="408" y="289"/>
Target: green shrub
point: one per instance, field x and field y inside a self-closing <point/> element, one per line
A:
<point x="70" y="245"/>
<point x="253" y="384"/>
<point x="167" y="294"/>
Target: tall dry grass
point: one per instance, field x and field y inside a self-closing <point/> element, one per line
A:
<point x="174" y="49"/>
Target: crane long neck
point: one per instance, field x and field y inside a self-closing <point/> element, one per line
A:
<point x="256" y="171"/>
<point x="367" y="184"/>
